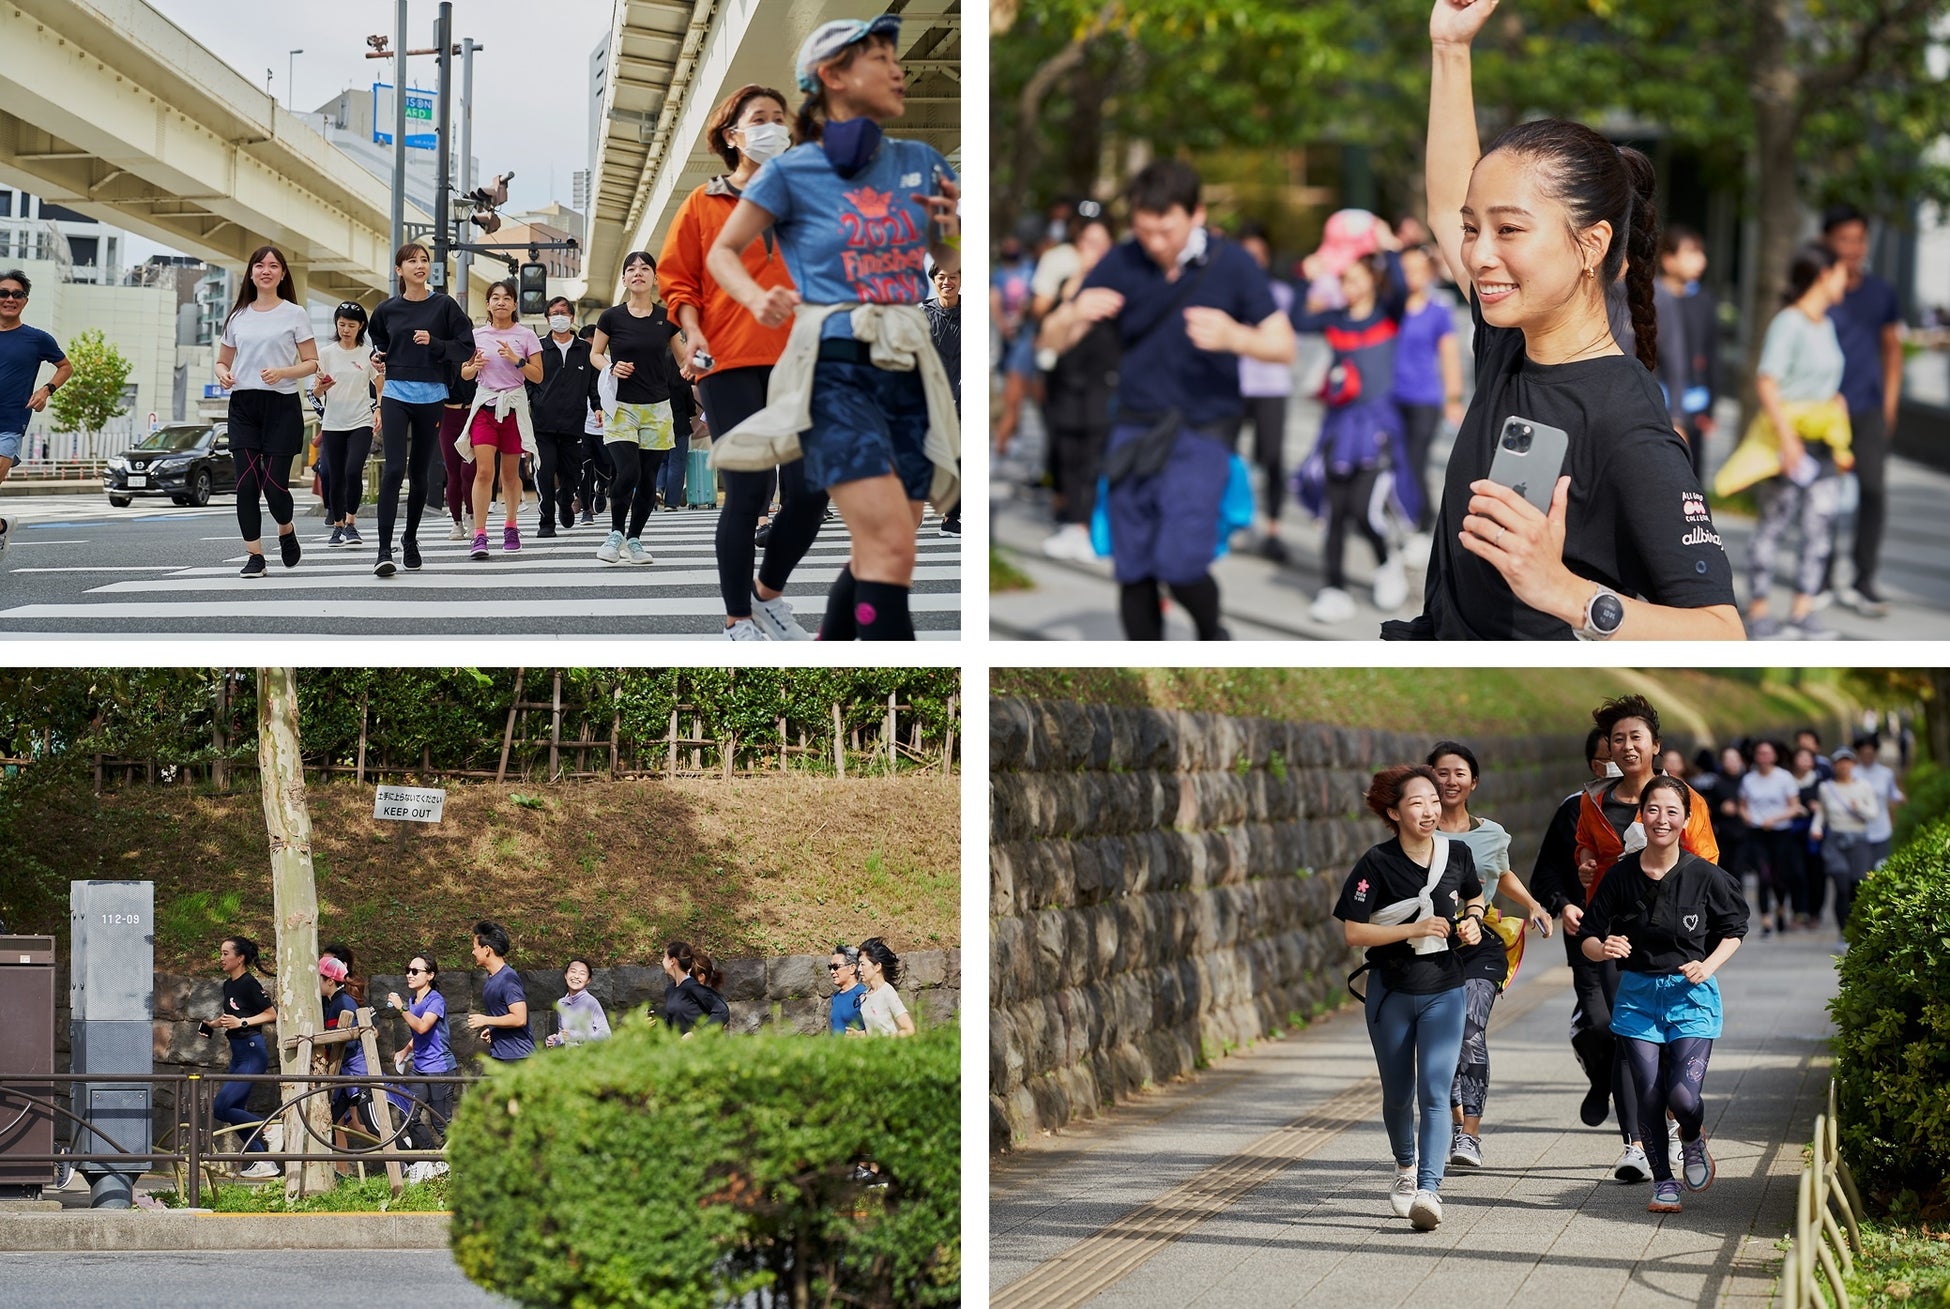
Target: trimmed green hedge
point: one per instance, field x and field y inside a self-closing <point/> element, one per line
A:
<point x="1892" y="1020"/>
<point x="1928" y="787"/>
<point x="649" y="1171"/>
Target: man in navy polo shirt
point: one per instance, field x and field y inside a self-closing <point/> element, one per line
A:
<point x="1188" y="305"/>
<point x="1867" y="323"/>
<point x="23" y="350"/>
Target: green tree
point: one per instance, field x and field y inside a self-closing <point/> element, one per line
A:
<point x="94" y="394"/>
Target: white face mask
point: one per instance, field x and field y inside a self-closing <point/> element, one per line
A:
<point x="764" y="140"/>
<point x="561" y="323"/>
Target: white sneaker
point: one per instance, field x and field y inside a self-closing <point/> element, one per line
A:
<point x="1331" y="606"/>
<point x="1425" y="1211"/>
<point x="611" y="550"/>
<point x="1071" y="542"/>
<point x="458" y="531"/>
<point x="1632" y="1166"/>
<point x="1404" y="1193"/>
<point x="634" y="553"/>
<point x="774" y="618"/>
<point x="259" y="1172"/>
<point x="1390" y="585"/>
<point x="743" y="630"/>
<point x="1415" y="549"/>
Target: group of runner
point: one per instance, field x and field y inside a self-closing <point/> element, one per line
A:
<point x="1652" y="907"/>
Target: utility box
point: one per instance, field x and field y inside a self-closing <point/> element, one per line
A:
<point x="112" y="999"/>
<point x="26" y="1052"/>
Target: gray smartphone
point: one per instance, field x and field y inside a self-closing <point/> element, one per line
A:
<point x="1529" y="459"/>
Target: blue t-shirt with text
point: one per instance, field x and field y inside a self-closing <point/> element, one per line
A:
<point x="499" y="995"/>
<point x="852" y="238"/>
<point x="22" y="352"/>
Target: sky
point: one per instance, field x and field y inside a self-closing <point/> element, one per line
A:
<point x="531" y="83"/>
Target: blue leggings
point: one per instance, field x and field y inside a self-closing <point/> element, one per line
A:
<point x="1417" y="1042"/>
<point x="246" y="1056"/>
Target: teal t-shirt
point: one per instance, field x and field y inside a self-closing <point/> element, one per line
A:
<point x="1802" y="356"/>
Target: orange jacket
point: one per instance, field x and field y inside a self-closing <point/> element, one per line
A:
<point x="1596" y="833"/>
<point x="737" y="340"/>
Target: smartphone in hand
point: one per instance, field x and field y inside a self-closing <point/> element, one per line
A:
<point x="1529" y="459"/>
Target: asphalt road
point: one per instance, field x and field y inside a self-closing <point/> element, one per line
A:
<point x="77" y="567"/>
<point x="425" y="1279"/>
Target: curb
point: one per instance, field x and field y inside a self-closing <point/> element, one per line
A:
<point x="17" y="487"/>
<point x="92" y="1230"/>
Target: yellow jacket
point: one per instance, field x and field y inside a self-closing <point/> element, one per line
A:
<point x="1758" y="457"/>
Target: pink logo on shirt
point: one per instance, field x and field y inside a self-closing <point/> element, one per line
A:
<point x="1361" y="889"/>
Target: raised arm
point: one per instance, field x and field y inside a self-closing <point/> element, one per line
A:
<point x="1453" y="147"/>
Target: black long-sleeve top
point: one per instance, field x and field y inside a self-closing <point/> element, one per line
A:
<point x="690" y="1002"/>
<point x="394" y="323"/>
<point x="1680" y="917"/>
<point x="1554" y="877"/>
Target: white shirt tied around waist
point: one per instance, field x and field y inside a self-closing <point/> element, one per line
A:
<point x="900" y="342"/>
<point x="515" y="401"/>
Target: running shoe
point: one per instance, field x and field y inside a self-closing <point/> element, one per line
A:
<point x="253" y="566"/>
<point x="1273" y="548"/>
<point x="352" y="536"/>
<point x="1404" y="1193"/>
<point x="951" y="527"/>
<point x="457" y="531"/>
<point x="743" y="630"/>
<point x="1811" y="628"/>
<point x="1596" y="1106"/>
<point x="289" y="549"/>
<point x="5" y="527"/>
<point x="1070" y="542"/>
<point x="261" y="1171"/>
<point x="1864" y="600"/>
<point x="602" y="499"/>
<point x="1632" y="1166"/>
<point x="1332" y="605"/>
<point x="1390" y="585"/>
<point x="1425" y="1211"/>
<point x="1767" y="629"/>
<point x="611" y="550"/>
<point x="510" y="539"/>
<point x="479" y="549"/>
<point x="588" y="518"/>
<point x="1466" y="1149"/>
<point x="409" y="551"/>
<point x="568" y="519"/>
<point x="633" y="552"/>
<point x="1665" y="1198"/>
<point x="384" y="568"/>
<point x="1675" y="1152"/>
<point x="762" y="535"/>
<point x="545" y="532"/>
<point x="774" y="618"/>
<point x="1699" y="1170"/>
<point x="337" y="538"/>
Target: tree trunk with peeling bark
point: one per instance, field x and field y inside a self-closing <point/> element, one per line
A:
<point x="287" y="821"/>
<point x="1777" y="94"/>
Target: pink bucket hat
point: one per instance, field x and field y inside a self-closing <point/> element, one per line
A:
<point x="332" y="968"/>
<point x="1349" y="236"/>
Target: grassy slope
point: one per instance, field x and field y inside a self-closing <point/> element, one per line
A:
<point x="607" y="870"/>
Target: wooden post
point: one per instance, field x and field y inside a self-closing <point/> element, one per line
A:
<point x="508" y="737"/>
<point x="893" y="734"/>
<point x="219" y="736"/>
<point x="782" y="743"/>
<point x="727" y="753"/>
<point x="839" y="742"/>
<point x="364" y="712"/>
<point x="616" y="725"/>
<point x="670" y="755"/>
<point x="948" y="746"/>
<point x="382" y="1108"/>
<point x="555" y="733"/>
<point x="697" y="734"/>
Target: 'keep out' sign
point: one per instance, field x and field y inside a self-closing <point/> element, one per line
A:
<point x="408" y="804"/>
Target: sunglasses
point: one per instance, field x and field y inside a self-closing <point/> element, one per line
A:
<point x="13" y="295"/>
<point x="834" y="968"/>
<point x="422" y="971"/>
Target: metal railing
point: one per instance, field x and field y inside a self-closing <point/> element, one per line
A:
<point x="1827" y="1189"/>
<point x="196" y="1150"/>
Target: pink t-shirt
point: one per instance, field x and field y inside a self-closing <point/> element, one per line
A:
<point x="498" y="374"/>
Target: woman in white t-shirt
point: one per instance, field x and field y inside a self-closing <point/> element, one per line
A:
<point x="881" y="1008"/>
<point x="266" y="349"/>
<point x="1770" y="801"/>
<point x="345" y="383"/>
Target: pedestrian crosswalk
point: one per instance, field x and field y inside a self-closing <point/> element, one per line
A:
<point x="188" y="584"/>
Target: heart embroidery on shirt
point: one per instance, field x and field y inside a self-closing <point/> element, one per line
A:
<point x="1692" y="922"/>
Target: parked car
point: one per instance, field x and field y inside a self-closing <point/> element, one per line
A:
<point x="188" y="462"/>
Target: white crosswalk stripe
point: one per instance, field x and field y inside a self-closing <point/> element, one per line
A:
<point x="550" y="588"/>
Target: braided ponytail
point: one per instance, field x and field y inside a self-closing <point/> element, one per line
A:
<point x="1642" y="254"/>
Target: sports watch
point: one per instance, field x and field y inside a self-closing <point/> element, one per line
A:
<point x="1604" y="614"/>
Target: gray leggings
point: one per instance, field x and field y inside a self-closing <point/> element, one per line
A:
<point x="1472" y="1086"/>
<point x="1814" y="507"/>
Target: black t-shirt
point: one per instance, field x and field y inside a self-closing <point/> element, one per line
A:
<point x="691" y="1002"/>
<point x="644" y="342"/>
<point x="1637" y="519"/>
<point x="1682" y="916"/>
<point x="1386" y="874"/>
<point x="243" y="997"/>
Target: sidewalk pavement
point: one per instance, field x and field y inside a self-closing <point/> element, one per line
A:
<point x="1264" y="1181"/>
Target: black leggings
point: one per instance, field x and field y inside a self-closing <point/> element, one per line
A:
<point x="1595" y="983"/>
<point x="729" y="399"/>
<point x="1078" y="456"/>
<point x="1142" y="608"/>
<point x="1347" y="505"/>
<point x="595" y="468"/>
<point x="632" y="486"/>
<point x="345" y="471"/>
<point x="1668" y="1077"/>
<point x="561" y="462"/>
<point x="1267" y="413"/>
<point x="1785" y="855"/>
<point x="1419" y="426"/>
<point x="261" y="472"/>
<point x="410" y="432"/>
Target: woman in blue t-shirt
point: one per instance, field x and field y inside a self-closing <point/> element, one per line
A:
<point x="857" y="216"/>
<point x="430" y="1051"/>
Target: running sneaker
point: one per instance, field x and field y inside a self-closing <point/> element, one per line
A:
<point x="611" y="550"/>
<point x="1404" y="1193"/>
<point x="510" y="539"/>
<point x="1863" y="599"/>
<point x="1274" y="549"/>
<point x="289" y="549"/>
<point x="1466" y="1149"/>
<point x="1665" y="1198"/>
<point x="1767" y="629"/>
<point x="1675" y="1152"/>
<point x="384" y="568"/>
<point x="352" y="536"/>
<point x="743" y="630"/>
<point x="1596" y="1106"/>
<point x="457" y="531"/>
<point x="1699" y="1170"/>
<point x="951" y="527"/>
<point x="409" y="551"/>
<point x="479" y="549"/>
<point x="774" y="618"/>
<point x="545" y="532"/>
<point x="1390" y="585"/>
<point x="1811" y="628"/>
<point x="567" y="518"/>
<point x="588" y="518"/>
<point x="1332" y="605"/>
<point x="602" y="499"/>
<point x="261" y="1171"/>
<point x="762" y="535"/>
<point x="1071" y="542"/>
<point x="337" y="538"/>
<point x="1632" y="1166"/>
<point x="633" y="552"/>
<point x="5" y="527"/>
<point x="253" y="566"/>
<point x="1425" y="1211"/>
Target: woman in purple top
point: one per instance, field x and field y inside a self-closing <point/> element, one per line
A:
<point x="430" y="1052"/>
<point x="1428" y="372"/>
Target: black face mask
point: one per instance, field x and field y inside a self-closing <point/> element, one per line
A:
<point x="850" y="144"/>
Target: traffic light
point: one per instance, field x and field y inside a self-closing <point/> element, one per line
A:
<point x="534" y="289"/>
